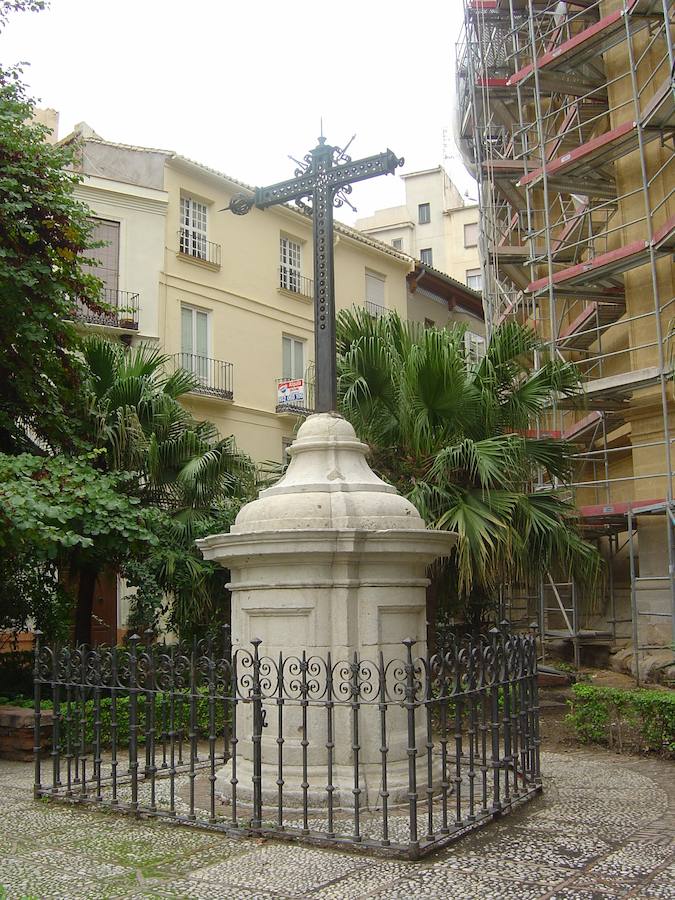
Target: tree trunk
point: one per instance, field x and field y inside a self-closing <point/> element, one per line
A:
<point x="85" y="605"/>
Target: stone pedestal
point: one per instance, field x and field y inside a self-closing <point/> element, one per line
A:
<point x="329" y="560"/>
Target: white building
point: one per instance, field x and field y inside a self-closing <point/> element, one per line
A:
<point x="435" y="226"/>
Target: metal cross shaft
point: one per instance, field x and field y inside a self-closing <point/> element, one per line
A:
<point x="323" y="177"/>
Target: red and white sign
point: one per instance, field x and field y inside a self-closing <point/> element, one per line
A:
<point x="291" y="391"/>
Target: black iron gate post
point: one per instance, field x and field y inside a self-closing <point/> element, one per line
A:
<point x="37" y="719"/>
<point x="256" y="698"/>
<point x="410" y="707"/>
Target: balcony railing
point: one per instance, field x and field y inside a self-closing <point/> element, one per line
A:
<point x="297" y="399"/>
<point x="216" y="377"/>
<point x="375" y="309"/>
<point x="121" y="311"/>
<point x="195" y="245"/>
<point x="292" y="281"/>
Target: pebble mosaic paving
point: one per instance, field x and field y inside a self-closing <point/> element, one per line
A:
<point x="605" y="828"/>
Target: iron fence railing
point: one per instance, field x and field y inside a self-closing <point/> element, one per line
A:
<point x="119" y="310"/>
<point x="291" y="280"/>
<point x="216" y="377"/>
<point x="194" y="244"/>
<point x="376" y="310"/>
<point x="401" y="754"/>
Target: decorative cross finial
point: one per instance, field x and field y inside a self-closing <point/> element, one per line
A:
<point x="325" y="176"/>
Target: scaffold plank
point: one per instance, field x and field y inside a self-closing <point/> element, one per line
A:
<point x="585" y="429"/>
<point x="594" y="271"/>
<point x="660" y="111"/>
<point x="664" y="237"/>
<point x="612" y="390"/>
<point x="585" y="160"/>
<point x="582" y="331"/>
<point x="584" y="47"/>
<point x="636" y="507"/>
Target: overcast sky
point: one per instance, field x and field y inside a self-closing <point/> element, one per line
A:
<point x="240" y="85"/>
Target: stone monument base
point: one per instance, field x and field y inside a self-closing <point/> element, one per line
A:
<point x="370" y="785"/>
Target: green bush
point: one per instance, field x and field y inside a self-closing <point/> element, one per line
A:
<point x="636" y="720"/>
<point x="122" y="717"/>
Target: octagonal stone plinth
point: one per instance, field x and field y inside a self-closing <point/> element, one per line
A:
<point x="331" y="559"/>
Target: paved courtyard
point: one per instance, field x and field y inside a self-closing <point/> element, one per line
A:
<point x="604" y="829"/>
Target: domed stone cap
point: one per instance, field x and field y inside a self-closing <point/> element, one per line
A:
<point x="328" y="484"/>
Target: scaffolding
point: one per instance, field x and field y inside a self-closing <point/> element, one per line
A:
<point x="566" y="118"/>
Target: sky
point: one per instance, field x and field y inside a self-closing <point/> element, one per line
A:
<point x="241" y="84"/>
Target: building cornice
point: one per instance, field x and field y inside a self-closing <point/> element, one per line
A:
<point x="92" y="190"/>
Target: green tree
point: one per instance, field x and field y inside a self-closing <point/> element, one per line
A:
<point x="43" y="232"/>
<point x="60" y="515"/>
<point x="454" y="436"/>
<point x="179" y="466"/>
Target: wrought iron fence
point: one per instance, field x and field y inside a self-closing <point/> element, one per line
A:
<point x="291" y="280"/>
<point x="193" y="243"/>
<point x="394" y="755"/>
<point x="119" y="310"/>
<point x="216" y="377"/>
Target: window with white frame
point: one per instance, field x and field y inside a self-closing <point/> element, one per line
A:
<point x="471" y="234"/>
<point x="289" y="264"/>
<point x="293" y="357"/>
<point x="397" y="243"/>
<point x="427" y="257"/>
<point x="424" y="213"/>
<point x="474" y="279"/>
<point x="193" y="220"/>
<point x="474" y="344"/>
<point x="194" y="340"/>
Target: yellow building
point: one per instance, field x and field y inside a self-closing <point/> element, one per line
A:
<point x="566" y="116"/>
<point x="231" y="298"/>
<point x="435" y="226"/>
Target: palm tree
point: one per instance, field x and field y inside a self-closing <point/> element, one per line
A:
<point x="458" y="437"/>
<point x="176" y="464"/>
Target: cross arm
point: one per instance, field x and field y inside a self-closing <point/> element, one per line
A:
<point x="284" y="191"/>
<point x="361" y="169"/>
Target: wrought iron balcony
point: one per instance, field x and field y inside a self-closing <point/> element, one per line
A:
<point x="216" y="377"/>
<point x="291" y="280"/>
<point x="297" y="399"/>
<point x="374" y="309"/>
<point x="195" y="245"/>
<point x="120" y="310"/>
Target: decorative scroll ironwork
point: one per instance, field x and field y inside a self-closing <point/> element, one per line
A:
<point x="324" y="176"/>
<point x="434" y="745"/>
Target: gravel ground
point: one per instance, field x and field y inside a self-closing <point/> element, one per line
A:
<point x="605" y="828"/>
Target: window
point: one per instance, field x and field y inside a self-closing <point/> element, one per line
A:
<point x="474" y="345"/>
<point x="293" y="361"/>
<point x="471" y="234"/>
<point x="194" y="340"/>
<point x="375" y="288"/>
<point x="107" y="265"/>
<point x="193" y="228"/>
<point x="427" y="257"/>
<point x="474" y="279"/>
<point x="397" y="243"/>
<point x="289" y="265"/>
<point x="424" y="213"/>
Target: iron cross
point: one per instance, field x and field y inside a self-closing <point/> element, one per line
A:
<point x="324" y="177"/>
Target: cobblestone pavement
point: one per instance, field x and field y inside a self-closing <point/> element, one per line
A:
<point x="604" y="829"/>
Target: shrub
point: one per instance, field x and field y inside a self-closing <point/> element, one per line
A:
<point x="122" y="717"/>
<point x="642" y="720"/>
